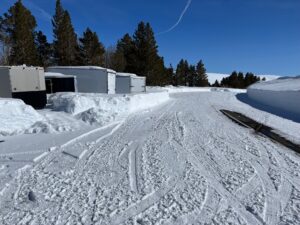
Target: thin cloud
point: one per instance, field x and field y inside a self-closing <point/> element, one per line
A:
<point x="179" y="20"/>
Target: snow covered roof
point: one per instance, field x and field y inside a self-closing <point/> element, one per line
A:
<point x="57" y="75"/>
<point x="281" y="84"/>
<point x="130" y="74"/>
<point x="126" y="74"/>
<point x="83" y="68"/>
<point x="21" y="66"/>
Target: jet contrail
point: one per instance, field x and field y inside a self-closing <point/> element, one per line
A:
<point x="41" y="12"/>
<point x="179" y="20"/>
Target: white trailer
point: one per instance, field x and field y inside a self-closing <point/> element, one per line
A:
<point x="90" y="79"/>
<point x="130" y="83"/>
<point x="25" y="83"/>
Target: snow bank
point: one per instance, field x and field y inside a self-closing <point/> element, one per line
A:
<point x="182" y="89"/>
<point x="16" y="116"/>
<point x="101" y="108"/>
<point x="282" y="93"/>
<point x="172" y="89"/>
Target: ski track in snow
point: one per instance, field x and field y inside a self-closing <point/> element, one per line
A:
<point x="180" y="163"/>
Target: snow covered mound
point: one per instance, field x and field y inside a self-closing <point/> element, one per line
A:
<point x="16" y="116"/>
<point x="283" y="93"/>
<point x="102" y="109"/>
<point x="269" y="77"/>
<point x="212" y="77"/>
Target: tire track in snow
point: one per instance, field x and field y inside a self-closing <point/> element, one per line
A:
<point x="146" y="203"/>
<point x="211" y="173"/>
<point x="133" y="169"/>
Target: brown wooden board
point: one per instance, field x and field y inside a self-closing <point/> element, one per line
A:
<point x="260" y="128"/>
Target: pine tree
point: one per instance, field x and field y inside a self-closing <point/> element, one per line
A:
<point x="66" y="49"/>
<point x="5" y="41"/>
<point x="192" y="76"/>
<point x="240" y="81"/>
<point x="182" y="72"/>
<point x="92" y="49"/>
<point x="201" y="80"/>
<point x="124" y="56"/>
<point x="147" y="62"/>
<point x="44" y="49"/>
<point x="18" y="31"/>
<point x="216" y="84"/>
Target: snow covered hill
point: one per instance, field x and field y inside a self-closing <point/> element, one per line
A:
<point x="212" y="77"/>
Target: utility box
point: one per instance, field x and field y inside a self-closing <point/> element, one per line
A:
<point x="25" y="83"/>
<point x="130" y="83"/>
<point x="57" y="82"/>
<point x="90" y="79"/>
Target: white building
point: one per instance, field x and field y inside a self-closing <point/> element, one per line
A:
<point x="90" y="79"/>
<point x="130" y="83"/>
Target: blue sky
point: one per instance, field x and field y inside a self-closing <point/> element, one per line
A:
<point x="261" y="36"/>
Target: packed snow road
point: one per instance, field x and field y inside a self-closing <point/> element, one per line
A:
<point x="180" y="163"/>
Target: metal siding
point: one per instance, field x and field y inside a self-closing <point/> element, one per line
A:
<point x="88" y="80"/>
<point x="111" y="83"/>
<point x="123" y="84"/>
<point x="42" y="79"/>
<point x="25" y="79"/>
<point x="138" y="84"/>
<point x="5" y="86"/>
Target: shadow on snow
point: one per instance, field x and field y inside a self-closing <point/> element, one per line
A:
<point x="278" y="112"/>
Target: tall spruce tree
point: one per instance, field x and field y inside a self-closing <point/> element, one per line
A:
<point x="66" y="49"/>
<point x="92" y="50"/>
<point x="182" y="73"/>
<point x="192" y="76"/>
<point x="5" y="41"/>
<point x="44" y="49"/>
<point x="18" y="31"/>
<point x="147" y="61"/>
<point x="201" y="80"/>
<point x="125" y="54"/>
<point x="216" y="84"/>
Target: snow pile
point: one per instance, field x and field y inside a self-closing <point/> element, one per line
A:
<point x="102" y="109"/>
<point x="16" y="117"/>
<point x="283" y="93"/>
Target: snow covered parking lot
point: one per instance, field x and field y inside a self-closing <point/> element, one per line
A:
<point x="182" y="162"/>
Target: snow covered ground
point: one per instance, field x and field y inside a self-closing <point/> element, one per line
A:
<point x="283" y="93"/>
<point x="181" y="162"/>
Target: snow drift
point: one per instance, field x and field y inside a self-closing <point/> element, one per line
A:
<point x="16" y="116"/>
<point x="102" y="109"/>
<point x="283" y="93"/>
<point x="183" y="89"/>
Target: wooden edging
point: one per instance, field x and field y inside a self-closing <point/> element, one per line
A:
<point x="260" y="128"/>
